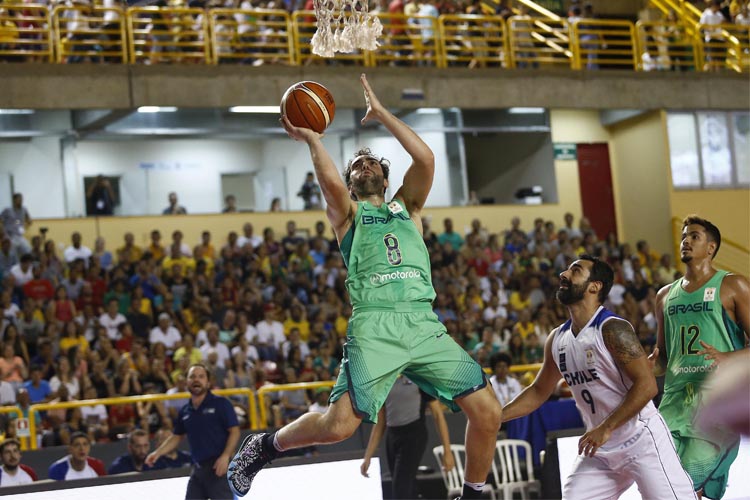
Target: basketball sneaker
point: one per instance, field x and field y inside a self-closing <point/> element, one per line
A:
<point x="247" y="462"/>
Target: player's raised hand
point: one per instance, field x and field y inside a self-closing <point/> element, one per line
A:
<point x="709" y="352"/>
<point x="374" y="108"/>
<point x="298" y="133"/>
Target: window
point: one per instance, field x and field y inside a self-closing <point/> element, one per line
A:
<point x="709" y="149"/>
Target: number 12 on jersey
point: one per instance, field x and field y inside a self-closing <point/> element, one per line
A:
<point x="392" y="251"/>
<point x="688" y="337"/>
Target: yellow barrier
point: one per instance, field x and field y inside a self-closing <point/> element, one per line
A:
<point x="534" y="42"/>
<point x="473" y="41"/>
<point x="255" y="36"/>
<point x="408" y="41"/>
<point x="668" y="45"/>
<point x="135" y="399"/>
<point x="303" y="29"/>
<point x="604" y="43"/>
<point x="19" y="414"/>
<point x="725" y="46"/>
<point x="263" y="412"/>
<point x="168" y="34"/>
<point x="93" y="33"/>
<point x="25" y="34"/>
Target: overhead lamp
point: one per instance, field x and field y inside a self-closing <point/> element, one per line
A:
<point x="428" y="111"/>
<point x="526" y="111"/>
<point x="157" y="109"/>
<point x="255" y="109"/>
<point x="16" y="111"/>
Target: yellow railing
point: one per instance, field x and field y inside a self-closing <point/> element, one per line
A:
<point x="604" y="43"/>
<point x="19" y="414"/>
<point x="263" y="391"/>
<point x="473" y="41"/>
<point x="668" y="45"/>
<point x="25" y="32"/>
<point x="251" y="36"/>
<point x="168" y="35"/>
<point x="535" y="43"/>
<point x="732" y="256"/>
<point x="725" y="46"/>
<point x="408" y="41"/>
<point x="89" y="33"/>
<point x="252" y="410"/>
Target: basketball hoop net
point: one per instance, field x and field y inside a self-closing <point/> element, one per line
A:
<point x="344" y="26"/>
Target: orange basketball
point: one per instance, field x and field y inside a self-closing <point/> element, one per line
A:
<point x="308" y="105"/>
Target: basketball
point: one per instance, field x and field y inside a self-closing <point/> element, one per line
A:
<point x="308" y="105"/>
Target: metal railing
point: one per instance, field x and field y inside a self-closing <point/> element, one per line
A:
<point x="267" y="389"/>
<point x="252" y="407"/>
<point x="537" y="43"/>
<point x="157" y="35"/>
<point x="84" y="33"/>
<point x="724" y="46"/>
<point x="668" y="45"/>
<point x="256" y="36"/>
<point x="25" y="32"/>
<point x="600" y="43"/>
<point x="19" y="414"/>
<point x="473" y="41"/>
<point x="168" y="35"/>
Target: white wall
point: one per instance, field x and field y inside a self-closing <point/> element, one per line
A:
<point x="37" y="174"/>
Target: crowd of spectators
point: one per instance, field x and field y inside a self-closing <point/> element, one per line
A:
<point x="265" y="310"/>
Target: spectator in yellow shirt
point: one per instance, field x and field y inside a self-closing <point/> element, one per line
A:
<point x="129" y="253"/>
<point x="297" y="319"/>
<point x="155" y="248"/>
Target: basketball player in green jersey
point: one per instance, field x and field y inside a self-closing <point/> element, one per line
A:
<point x="392" y="329"/>
<point x="701" y="319"/>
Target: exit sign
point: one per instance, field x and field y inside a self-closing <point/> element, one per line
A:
<point x="565" y="151"/>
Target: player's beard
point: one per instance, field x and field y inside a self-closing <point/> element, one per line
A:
<point x="197" y="390"/>
<point x="10" y="467"/>
<point x="369" y="186"/>
<point x="572" y="294"/>
<point x="686" y="258"/>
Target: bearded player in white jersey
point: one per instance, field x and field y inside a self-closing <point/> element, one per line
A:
<point x="600" y="357"/>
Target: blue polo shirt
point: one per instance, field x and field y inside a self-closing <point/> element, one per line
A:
<point x="207" y="427"/>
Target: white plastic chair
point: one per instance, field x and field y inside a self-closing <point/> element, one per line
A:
<point x="507" y="469"/>
<point x="454" y="478"/>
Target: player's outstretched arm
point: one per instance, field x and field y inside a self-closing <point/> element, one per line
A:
<point x="418" y="178"/>
<point x="661" y="360"/>
<point x="341" y="208"/>
<point x="540" y="390"/>
<point x="623" y="344"/>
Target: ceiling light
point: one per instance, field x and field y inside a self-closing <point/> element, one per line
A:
<point x="16" y="111"/>
<point x="428" y="111"/>
<point x="255" y="109"/>
<point x="157" y="109"/>
<point x="526" y="111"/>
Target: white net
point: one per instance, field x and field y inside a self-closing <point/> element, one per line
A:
<point x="344" y="26"/>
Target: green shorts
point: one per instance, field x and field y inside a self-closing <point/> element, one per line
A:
<point x="383" y="342"/>
<point x="706" y="459"/>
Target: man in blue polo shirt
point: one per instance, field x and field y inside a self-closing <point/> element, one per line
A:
<point x="212" y="431"/>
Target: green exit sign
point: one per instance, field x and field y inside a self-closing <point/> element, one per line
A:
<point x="565" y="151"/>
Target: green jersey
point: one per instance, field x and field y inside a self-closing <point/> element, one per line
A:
<point x="688" y="318"/>
<point x="386" y="258"/>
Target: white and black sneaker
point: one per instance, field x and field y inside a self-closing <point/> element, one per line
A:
<point x="246" y="463"/>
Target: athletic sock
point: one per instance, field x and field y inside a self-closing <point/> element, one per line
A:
<point x="270" y="446"/>
<point x="472" y="490"/>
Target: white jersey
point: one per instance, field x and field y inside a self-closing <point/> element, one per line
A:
<point x="597" y="383"/>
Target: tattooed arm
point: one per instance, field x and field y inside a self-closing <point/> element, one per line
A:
<point x="623" y="344"/>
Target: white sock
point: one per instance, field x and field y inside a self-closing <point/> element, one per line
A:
<point x="475" y="486"/>
<point x="276" y="443"/>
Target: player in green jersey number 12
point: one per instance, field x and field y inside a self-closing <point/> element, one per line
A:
<point x="702" y="319"/>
